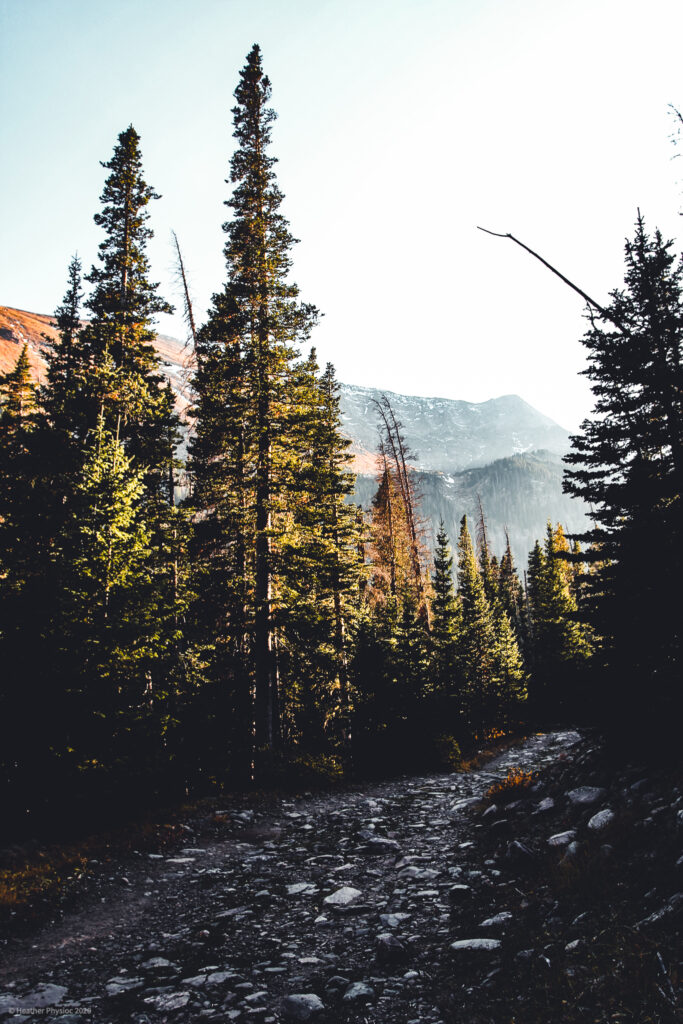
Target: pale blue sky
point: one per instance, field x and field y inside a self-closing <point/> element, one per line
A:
<point x="402" y="125"/>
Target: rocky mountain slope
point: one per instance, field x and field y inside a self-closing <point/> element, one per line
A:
<point x="449" y="435"/>
<point x="502" y="450"/>
<point x="18" y="326"/>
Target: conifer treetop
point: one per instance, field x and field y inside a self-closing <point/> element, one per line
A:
<point x="121" y="287"/>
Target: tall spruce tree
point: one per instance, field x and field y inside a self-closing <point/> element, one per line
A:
<point x="559" y="644"/>
<point x="246" y="351"/>
<point x="476" y="636"/>
<point x="628" y="464"/>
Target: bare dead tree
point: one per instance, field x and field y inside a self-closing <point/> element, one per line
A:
<point x="188" y="312"/>
<point x="395" y="440"/>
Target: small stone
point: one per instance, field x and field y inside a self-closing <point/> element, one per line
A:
<point x="501" y="918"/>
<point x="393" y="920"/>
<point x="158" y="963"/>
<point x="585" y="795"/>
<point x="357" y="991"/>
<point x="570" y="853"/>
<point x="390" y="950"/>
<point x="459" y="890"/>
<point x="546" y="804"/>
<point x="298" y="887"/>
<point x="117" y="986"/>
<point x="170" y="1000"/>
<point x="342" y="897"/>
<point x="301" y="1006"/>
<point x="601" y="820"/>
<point x="562" y="838"/>
<point x="481" y="945"/>
<point x="520" y="854"/>
<point x="219" y="977"/>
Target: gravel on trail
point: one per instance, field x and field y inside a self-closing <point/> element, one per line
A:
<point x="340" y="906"/>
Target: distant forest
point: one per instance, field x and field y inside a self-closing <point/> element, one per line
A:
<point x="256" y="627"/>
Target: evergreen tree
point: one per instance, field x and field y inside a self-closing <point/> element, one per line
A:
<point x="444" y="618"/>
<point x="510" y="592"/>
<point x="123" y="304"/>
<point x="628" y="464"/>
<point x="560" y="645"/>
<point x="476" y="636"/>
<point x="246" y="353"/>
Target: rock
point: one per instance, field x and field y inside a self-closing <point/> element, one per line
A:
<point x="357" y="991"/>
<point x="158" y="963"/>
<point x="342" y="897"/>
<point x="546" y="804"/>
<point x="380" y="844"/>
<point x="390" y="950"/>
<point x="301" y="1006"/>
<point x="480" y="945"/>
<point x="337" y="982"/>
<point x="497" y="919"/>
<point x="42" y="996"/>
<point x="459" y="890"/>
<point x="571" y="852"/>
<point x="394" y="920"/>
<point x="219" y="977"/>
<point x="117" y="986"/>
<point x="490" y="811"/>
<point x="298" y="887"/>
<point x="601" y="820"/>
<point x="585" y="795"/>
<point x="169" y="1000"/>
<point x="519" y="854"/>
<point x="562" y="838"/>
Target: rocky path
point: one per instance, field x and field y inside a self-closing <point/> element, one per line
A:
<point x="339" y="907"/>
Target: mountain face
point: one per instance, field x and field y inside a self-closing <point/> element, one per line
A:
<point x="18" y="326"/>
<point x="503" y="450"/>
<point x="450" y="435"/>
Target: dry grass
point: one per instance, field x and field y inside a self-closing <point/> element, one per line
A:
<point x="511" y="786"/>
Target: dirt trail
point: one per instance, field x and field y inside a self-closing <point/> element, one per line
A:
<point x="349" y="900"/>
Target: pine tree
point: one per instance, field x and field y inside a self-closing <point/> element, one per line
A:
<point x="476" y="636"/>
<point x="444" y="617"/>
<point x="123" y="304"/>
<point x="246" y="351"/>
<point x="628" y="464"/>
<point x="21" y="497"/>
<point x="559" y="643"/>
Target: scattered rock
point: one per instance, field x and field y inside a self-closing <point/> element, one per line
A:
<point x="302" y="1006"/>
<point x="342" y="897"/>
<point x="169" y="1000"/>
<point x="390" y="950"/>
<point x="497" y="919"/>
<point x="601" y="820"/>
<point x="357" y="991"/>
<point x="519" y="854"/>
<point x="585" y="795"/>
<point x="479" y="945"/>
<point x="562" y="838"/>
<point x="117" y="986"/>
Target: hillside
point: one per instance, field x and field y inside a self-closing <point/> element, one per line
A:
<point x="451" y="435"/>
<point x="519" y="494"/>
<point x="37" y="330"/>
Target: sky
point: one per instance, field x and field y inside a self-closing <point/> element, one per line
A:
<point x="402" y="125"/>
